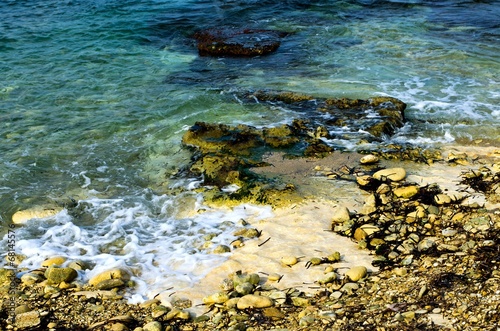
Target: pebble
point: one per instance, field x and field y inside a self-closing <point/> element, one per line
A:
<point x="56" y="275"/>
<point x="328" y="278"/>
<point x="306" y="320"/>
<point x="392" y="174"/>
<point x="221" y="249"/>
<point x="79" y="265"/>
<point x="279" y="297"/>
<point x="27" y="320"/>
<point x="406" y="192"/>
<point x="477" y="224"/>
<point x="109" y="284"/>
<point x="448" y="232"/>
<point x="56" y="260"/>
<point x="219" y="297"/>
<point x="23" y="216"/>
<point x="231" y="303"/>
<point x="274" y="277"/>
<point x="152" y="326"/>
<point x="356" y="273"/>
<point x="442" y="199"/>
<point x="289" y="260"/>
<point x="110" y="274"/>
<point x="370" y="205"/>
<point x="425" y="245"/>
<point x="383" y="189"/>
<point x="341" y="215"/>
<point x="369" y="159"/>
<point x="349" y="288"/>
<point x="31" y="278"/>
<point x="254" y="301"/>
<point x="301" y="302"/>
<point x="364" y="180"/>
<point x="244" y="288"/>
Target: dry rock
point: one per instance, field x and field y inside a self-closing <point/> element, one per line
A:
<point x="28" y="320"/>
<point x="254" y="301"/>
<point x="369" y="159"/>
<point x="356" y="273"/>
<point x="392" y="174"/>
<point x="341" y="215"/>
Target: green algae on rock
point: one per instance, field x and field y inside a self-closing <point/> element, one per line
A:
<point x="223" y="155"/>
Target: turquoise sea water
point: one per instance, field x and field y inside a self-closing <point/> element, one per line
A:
<point x="96" y="94"/>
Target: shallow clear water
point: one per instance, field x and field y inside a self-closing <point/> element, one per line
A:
<point x="95" y="95"/>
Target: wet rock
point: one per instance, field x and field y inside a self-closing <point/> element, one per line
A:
<point x="356" y="273"/>
<point x="56" y="275"/>
<point x="221" y="249"/>
<point x="109" y="284"/>
<point x="391" y="174"/>
<point x="254" y="301"/>
<point x="117" y="273"/>
<point x="78" y="265"/>
<point x="56" y="260"/>
<point x="22" y="216"/>
<point x="244" y="288"/>
<point x="227" y="41"/>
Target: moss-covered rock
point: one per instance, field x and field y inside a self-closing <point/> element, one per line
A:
<point x="224" y="155"/>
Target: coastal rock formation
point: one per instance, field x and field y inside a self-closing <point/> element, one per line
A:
<point x="224" y="155"/>
<point x="227" y="41"/>
<point x="378" y="116"/>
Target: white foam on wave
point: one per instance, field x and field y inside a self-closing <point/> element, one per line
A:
<point x="162" y="245"/>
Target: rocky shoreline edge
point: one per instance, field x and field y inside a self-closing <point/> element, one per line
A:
<point x="435" y="247"/>
<point x="437" y="254"/>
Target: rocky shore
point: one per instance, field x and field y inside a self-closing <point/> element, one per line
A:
<point x="434" y="250"/>
<point x="390" y="238"/>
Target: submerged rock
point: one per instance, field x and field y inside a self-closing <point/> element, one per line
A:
<point x="227" y="41"/>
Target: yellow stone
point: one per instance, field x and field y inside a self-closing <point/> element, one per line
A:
<point x="356" y="273"/>
<point x="110" y="274"/>
<point x="56" y="260"/>
<point x="406" y="192"/>
<point x="22" y="216"/>
<point x="254" y="301"/>
<point x="392" y="174"/>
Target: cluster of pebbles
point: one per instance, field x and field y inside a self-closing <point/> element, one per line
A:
<point x="437" y="251"/>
